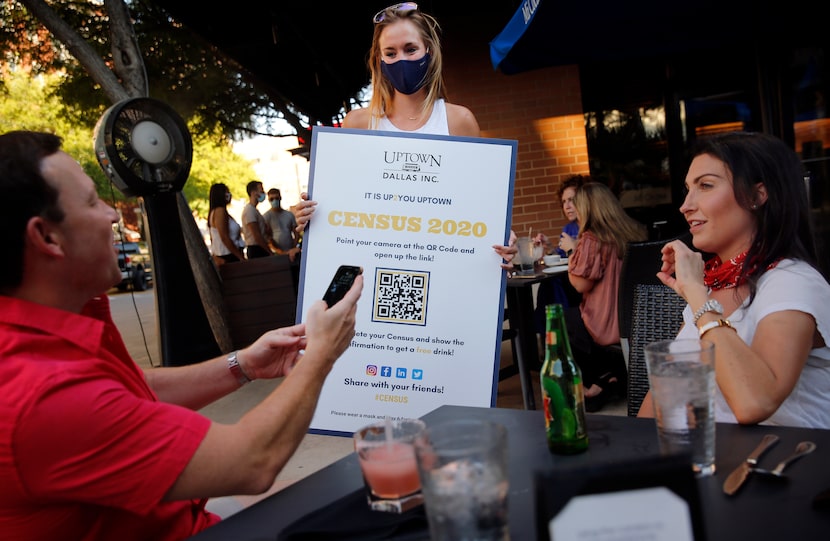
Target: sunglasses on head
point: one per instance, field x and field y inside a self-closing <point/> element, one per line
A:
<point x="403" y="6"/>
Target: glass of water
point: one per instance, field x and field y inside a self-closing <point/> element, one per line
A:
<point x="682" y="378"/>
<point x="464" y="480"/>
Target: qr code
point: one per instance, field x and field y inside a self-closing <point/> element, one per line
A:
<point x="400" y="296"/>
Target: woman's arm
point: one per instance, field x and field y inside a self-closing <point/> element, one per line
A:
<point x="461" y="121"/>
<point x="756" y="378"/>
<point x="357" y="118"/>
<point x="587" y="249"/>
<point x="580" y="284"/>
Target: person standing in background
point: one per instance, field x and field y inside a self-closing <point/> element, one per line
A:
<point x="284" y="238"/>
<point x="255" y="230"/>
<point x="409" y="94"/>
<point x="225" y="234"/>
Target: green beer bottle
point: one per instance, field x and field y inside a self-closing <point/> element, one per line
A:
<point x="562" y="389"/>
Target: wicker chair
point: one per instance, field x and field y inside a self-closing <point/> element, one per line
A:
<point x="648" y="311"/>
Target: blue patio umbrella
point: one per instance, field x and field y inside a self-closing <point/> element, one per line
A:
<point x="544" y="33"/>
<point x="510" y="37"/>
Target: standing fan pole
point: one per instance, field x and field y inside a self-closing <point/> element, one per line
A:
<point x="145" y="149"/>
<point x="185" y="334"/>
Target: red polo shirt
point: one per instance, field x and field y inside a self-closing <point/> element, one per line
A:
<point x="87" y="451"/>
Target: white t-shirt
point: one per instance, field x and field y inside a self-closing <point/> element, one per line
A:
<point x="250" y="214"/>
<point x="436" y="124"/>
<point x="791" y="285"/>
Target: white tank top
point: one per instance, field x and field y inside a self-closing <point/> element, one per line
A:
<point x="217" y="247"/>
<point x="436" y="124"/>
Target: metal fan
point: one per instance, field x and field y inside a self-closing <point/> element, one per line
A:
<point x="144" y="147"/>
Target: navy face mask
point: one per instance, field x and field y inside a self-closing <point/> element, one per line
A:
<point x="407" y="76"/>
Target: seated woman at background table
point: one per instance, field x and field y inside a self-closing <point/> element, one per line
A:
<point x="594" y="271"/>
<point x="567" y="239"/>
<point x="747" y="204"/>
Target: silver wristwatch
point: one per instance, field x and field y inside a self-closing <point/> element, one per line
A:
<point x="236" y="370"/>
<point x="709" y="306"/>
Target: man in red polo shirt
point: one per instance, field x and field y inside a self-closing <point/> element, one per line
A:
<point x="91" y="447"/>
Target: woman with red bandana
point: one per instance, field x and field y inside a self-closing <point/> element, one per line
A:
<point x="760" y="298"/>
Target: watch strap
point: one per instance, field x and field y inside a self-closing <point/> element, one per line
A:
<point x="236" y="370"/>
<point x="714" y="325"/>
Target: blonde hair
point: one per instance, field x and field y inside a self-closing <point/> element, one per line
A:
<point x="601" y="213"/>
<point x="383" y="92"/>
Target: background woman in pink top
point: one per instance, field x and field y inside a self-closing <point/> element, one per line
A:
<point x="594" y="271"/>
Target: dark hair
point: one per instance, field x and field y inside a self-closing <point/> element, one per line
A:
<point x="274" y="191"/>
<point x="574" y="182"/>
<point x="216" y="198"/>
<point x="782" y="224"/>
<point x="24" y="194"/>
<point x="251" y="186"/>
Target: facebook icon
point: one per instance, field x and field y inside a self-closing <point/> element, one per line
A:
<point x="386" y="371"/>
<point x="400" y="373"/>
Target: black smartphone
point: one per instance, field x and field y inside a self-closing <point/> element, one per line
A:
<point x="340" y="284"/>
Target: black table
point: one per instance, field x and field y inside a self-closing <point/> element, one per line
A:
<point x="761" y="510"/>
<point x="519" y="297"/>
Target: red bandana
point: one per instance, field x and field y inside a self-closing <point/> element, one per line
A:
<point x="719" y="275"/>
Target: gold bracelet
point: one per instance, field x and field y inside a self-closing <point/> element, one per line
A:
<point x="714" y="325"/>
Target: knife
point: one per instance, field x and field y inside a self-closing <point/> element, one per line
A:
<point x="739" y="474"/>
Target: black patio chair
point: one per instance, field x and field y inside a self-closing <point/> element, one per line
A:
<point x="648" y="311"/>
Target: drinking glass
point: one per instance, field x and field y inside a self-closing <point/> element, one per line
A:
<point x="527" y="256"/>
<point x="682" y="378"/>
<point x="386" y="454"/>
<point x="464" y="480"/>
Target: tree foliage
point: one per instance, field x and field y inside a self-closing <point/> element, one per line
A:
<point x="48" y="89"/>
<point x="33" y="102"/>
<point x="181" y="69"/>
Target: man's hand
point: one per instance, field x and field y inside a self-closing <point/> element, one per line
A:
<point x="329" y="331"/>
<point x="274" y="353"/>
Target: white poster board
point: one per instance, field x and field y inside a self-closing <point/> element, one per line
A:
<point x="420" y="214"/>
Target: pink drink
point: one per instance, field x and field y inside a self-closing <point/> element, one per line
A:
<point x="390" y="469"/>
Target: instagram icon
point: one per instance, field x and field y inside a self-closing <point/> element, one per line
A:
<point x="371" y="370"/>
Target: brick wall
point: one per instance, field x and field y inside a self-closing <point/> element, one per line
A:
<point x="542" y="110"/>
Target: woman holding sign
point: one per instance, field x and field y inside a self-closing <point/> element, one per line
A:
<point x="408" y="92"/>
<point x="408" y="88"/>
